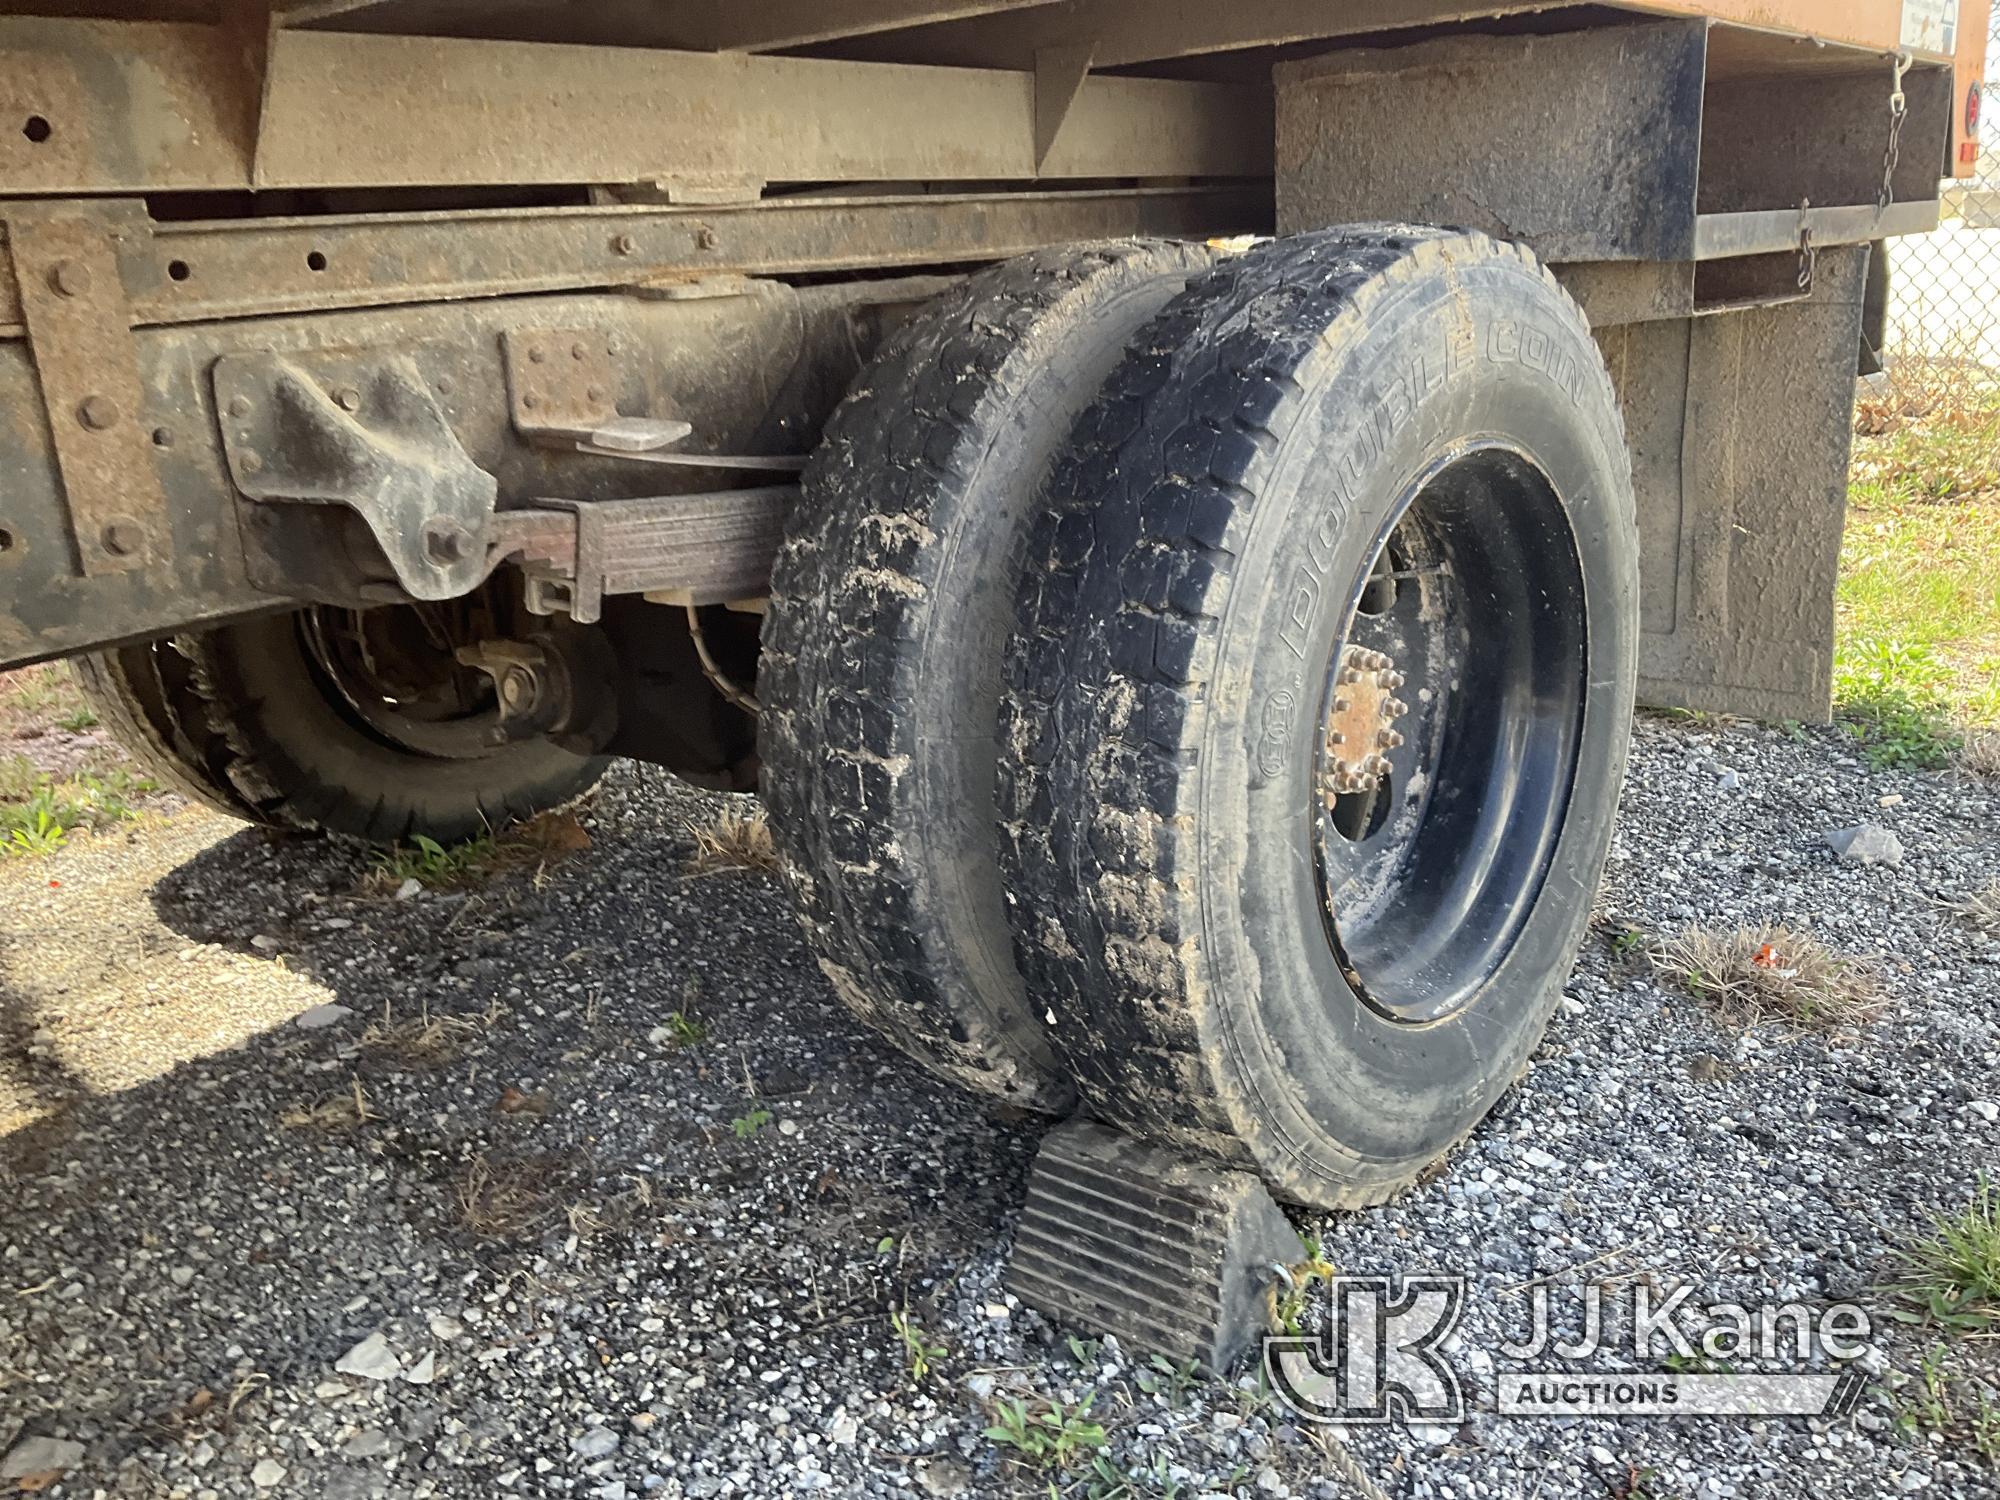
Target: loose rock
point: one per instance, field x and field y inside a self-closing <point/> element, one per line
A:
<point x="1866" y="844"/>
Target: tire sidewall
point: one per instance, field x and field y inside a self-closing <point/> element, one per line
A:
<point x="1327" y="1093"/>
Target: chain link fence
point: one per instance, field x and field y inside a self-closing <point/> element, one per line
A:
<point x="1943" y="346"/>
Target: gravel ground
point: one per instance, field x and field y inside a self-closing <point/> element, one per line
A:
<point x="533" y="1236"/>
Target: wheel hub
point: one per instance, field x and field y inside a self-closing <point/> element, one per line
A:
<point x="1361" y="723"/>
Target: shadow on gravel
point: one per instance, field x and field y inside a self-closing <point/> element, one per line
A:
<point x="599" y="1112"/>
<point x="33" y="1079"/>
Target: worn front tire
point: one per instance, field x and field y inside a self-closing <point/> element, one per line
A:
<point x="255" y="721"/>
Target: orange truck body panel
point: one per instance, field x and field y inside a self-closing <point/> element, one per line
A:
<point x="1866" y="23"/>
<point x="1875" y="24"/>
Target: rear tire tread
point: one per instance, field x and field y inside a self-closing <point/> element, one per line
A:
<point x="1111" y="659"/>
<point x="901" y="454"/>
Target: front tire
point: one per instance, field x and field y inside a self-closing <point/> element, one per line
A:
<point x="1322" y="684"/>
<point x="330" y="721"/>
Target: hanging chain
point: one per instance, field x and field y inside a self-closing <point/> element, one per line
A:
<point x="1899" y="111"/>
<point x="1808" y="251"/>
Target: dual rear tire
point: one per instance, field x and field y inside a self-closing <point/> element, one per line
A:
<point x="1207" y="694"/>
<point x="892" y="601"/>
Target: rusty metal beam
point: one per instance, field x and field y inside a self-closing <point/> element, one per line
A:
<point x="1060" y="74"/>
<point x="308" y="12"/>
<point x="476" y="112"/>
<point x="201" y="272"/>
<point x="133" y="107"/>
<point x="1127" y="32"/>
<point x="66" y="275"/>
<point x="731" y="26"/>
<point x="111" y="106"/>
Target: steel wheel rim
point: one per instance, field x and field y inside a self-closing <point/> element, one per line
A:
<point x="417" y="698"/>
<point x="1449" y="728"/>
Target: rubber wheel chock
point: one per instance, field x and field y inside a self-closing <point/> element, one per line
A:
<point x="1174" y="1255"/>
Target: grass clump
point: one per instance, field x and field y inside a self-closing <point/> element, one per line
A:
<point x="347" y="1109"/>
<point x="541" y="841"/>
<point x="1981" y="909"/>
<point x="1917" y="661"/>
<point x="733" y="844"/>
<point x="1953" y="1271"/>
<point x="1047" y="1435"/>
<point x="1896" y="701"/>
<point x="1940" y="1402"/>
<point x="1980" y="754"/>
<point x="498" y="1198"/>
<point x="1754" y="973"/>
<point x="39" y="812"/>
<point x="33" y="697"/>
<point x="435" y="866"/>
<point x="425" y="1040"/>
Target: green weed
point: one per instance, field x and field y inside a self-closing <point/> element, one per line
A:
<point x="1894" y="698"/>
<point x="749" y="1124"/>
<point x="1288" y="1307"/>
<point x="38" y="812"/>
<point x="683" y="1030"/>
<point x="920" y="1355"/>
<point x="1953" y="1272"/>
<point x="1048" y="1435"/>
<point x="43" y="836"/>
<point x="1163" y="1377"/>
<point x="1939" y="1402"/>
<point x="425" y="860"/>
<point x="1637" y="1484"/>
<point x="533" y="845"/>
